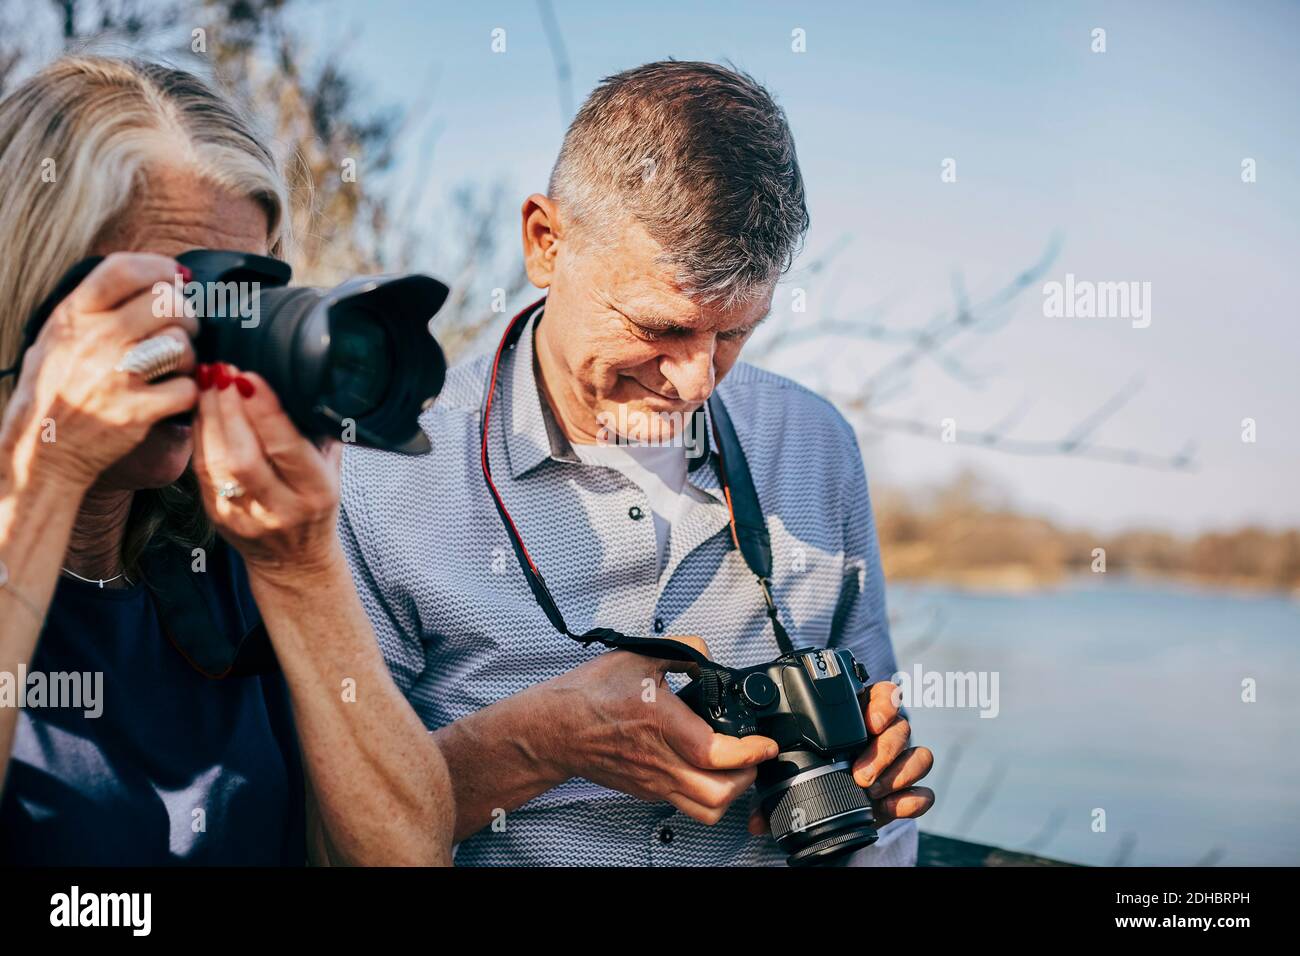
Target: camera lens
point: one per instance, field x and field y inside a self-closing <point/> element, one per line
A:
<point x="360" y="364"/>
<point x="819" y="813"/>
<point x="356" y="362"/>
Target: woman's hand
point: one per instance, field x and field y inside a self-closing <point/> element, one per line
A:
<point x="72" y="414"/>
<point x="378" y="785"/>
<point x="271" y="493"/>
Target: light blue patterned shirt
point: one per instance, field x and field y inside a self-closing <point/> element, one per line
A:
<point x="460" y="628"/>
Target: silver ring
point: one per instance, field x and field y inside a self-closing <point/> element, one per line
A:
<point x="230" y="489"/>
<point x="153" y="358"/>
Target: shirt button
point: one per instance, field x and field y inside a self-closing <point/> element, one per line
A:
<point x="665" y="835"/>
<point x="659" y="625"/>
<point x="635" y="513"/>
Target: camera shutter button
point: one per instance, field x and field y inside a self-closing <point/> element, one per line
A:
<point x="759" y="691"/>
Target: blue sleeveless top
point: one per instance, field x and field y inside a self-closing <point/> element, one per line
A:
<point x="147" y="761"/>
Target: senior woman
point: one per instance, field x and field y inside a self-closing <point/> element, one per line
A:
<point x="109" y="476"/>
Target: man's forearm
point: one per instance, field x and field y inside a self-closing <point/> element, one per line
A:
<point x="501" y="757"/>
<point x="378" y="779"/>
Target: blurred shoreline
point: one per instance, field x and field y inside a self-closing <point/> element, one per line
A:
<point x="959" y="535"/>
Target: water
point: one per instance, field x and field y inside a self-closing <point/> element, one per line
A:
<point x="1120" y="696"/>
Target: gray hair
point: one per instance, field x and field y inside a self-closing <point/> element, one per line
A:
<point x="702" y="157"/>
<point x="99" y="124"/>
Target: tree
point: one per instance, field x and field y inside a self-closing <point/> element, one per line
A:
<point x="335" y="150"/>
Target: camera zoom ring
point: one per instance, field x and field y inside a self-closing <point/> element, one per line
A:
<point x="809" y="802"/>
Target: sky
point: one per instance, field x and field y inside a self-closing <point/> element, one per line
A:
<point x="1131" y="159"/>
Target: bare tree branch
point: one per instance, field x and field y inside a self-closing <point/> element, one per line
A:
<point x="1040" y="840"/>
<point x="1183" y="460"/>
<point x="935" y="342"/>
<point x="563" y="73"/>
<point x="982" y="798"/>
<point x="1108" y="408"/>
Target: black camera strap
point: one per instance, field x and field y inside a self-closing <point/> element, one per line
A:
<point x="186" y="602"/>
<point x="36" y="321"/>
<point x="748" y="527"/>
<point x="748" y="531"/>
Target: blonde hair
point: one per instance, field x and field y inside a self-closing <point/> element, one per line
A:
<point x="76" y="141"/>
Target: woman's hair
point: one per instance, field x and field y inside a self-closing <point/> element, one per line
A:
<point x="76" y="142"/>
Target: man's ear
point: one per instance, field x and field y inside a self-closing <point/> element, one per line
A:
<point x="542" y="236"/>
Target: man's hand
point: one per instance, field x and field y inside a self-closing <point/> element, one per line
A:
<point x="888" y="768"/>
<point x="615" y="722"/>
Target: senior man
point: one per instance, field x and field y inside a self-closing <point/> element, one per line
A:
<point x="675" y="205"/>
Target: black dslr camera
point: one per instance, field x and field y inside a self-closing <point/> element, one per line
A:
<point x="807" y="701"/>
<point x="356" y="362"/>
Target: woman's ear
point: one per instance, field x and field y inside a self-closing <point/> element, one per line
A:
<point x="542" y="237"/>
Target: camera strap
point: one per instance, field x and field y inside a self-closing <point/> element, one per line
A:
<point x="217" y="643"/>
<point x="748" y="532"/>
<point x="748" y="527"/>
<point x="70" y="280"/>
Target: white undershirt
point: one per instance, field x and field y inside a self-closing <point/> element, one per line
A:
<point x="660" y="472"/>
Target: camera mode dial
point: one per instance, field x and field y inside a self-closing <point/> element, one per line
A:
<point x="758" y="691"/>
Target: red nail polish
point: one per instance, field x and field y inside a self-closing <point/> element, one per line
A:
<point x="221" y="377"/>
<point x="244" y="386"/>
<point x="203" y="376"/>
<point x="185" y="272"/>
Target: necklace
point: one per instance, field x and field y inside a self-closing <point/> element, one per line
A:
<point x="100" y="581"/>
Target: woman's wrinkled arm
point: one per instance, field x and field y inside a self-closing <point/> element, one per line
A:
<point x="36" y="518"/>
<point x="378" y="783"/>
<point x="379" y="786"/>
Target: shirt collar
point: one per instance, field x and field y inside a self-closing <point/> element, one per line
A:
<point x="535" y="434"/>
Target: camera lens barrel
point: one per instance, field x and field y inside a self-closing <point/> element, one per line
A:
<point x="819" y="814"/>
<point x="356" y="362"/>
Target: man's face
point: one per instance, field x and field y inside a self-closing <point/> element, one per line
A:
<point x="634" y="355"/>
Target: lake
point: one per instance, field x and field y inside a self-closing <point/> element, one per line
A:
<point x="1119" y="696"/>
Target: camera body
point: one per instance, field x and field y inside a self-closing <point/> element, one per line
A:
<point x="808" y="702"/>
<point x="357" y="362"/>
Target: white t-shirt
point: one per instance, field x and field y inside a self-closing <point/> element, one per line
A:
<point x="660" y="472"/>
